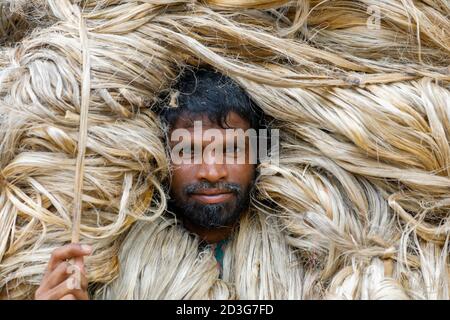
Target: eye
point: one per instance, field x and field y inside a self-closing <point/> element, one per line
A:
<point x="186" y="150"/>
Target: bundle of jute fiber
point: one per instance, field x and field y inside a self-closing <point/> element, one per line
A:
<point x="356" y="208"/>
<point x="161" y="260"/>
<point x="20" y="17"/>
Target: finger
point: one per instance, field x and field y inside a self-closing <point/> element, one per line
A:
<point x="62" y="273"/>
<point x="79" y="279"/>
<point x="66" y="288"/>
<point x="69" y="297"/>
<point x="67" y="252"/>
<point x="38" y="295"/>
<point x="57" y="276"/>
<point x="81" y="295"/>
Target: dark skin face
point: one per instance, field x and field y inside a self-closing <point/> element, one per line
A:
<point x="211" y="196"/>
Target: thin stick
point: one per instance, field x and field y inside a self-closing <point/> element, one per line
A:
<point x="82" y="137"/>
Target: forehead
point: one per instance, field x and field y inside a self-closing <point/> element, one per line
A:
<point x="233" y="121"/>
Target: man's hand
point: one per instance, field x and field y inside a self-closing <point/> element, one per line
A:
<point x="65" y="277"/>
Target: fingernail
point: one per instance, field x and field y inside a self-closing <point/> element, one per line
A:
<point x="86" y="248"/>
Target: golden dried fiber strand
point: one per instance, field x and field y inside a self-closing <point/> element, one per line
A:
<point x="405" y="30"/>
<point x="82" y="132"/>
<point x="365" y="282"/>
<point x="379" y="183"/>
<point x="161" y="260"/>
<point x="196" y="20"/>
<point x="19" y="17"/>
<point x="250" y="4"/>
<point x="261" y="265"/>
<point x="125" y="158"/>
<point x="357" y="207"/>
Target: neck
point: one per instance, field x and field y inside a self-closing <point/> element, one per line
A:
<point x="209" y="235"/>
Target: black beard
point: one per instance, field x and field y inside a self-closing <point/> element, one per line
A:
<point x="212" y="216"/>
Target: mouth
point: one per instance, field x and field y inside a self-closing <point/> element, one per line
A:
<point x="211" y="196"/>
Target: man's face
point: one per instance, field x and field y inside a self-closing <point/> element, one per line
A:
<point x="212" y="190"/>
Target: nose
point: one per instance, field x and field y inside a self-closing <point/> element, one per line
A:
<point x="212" y="171"/>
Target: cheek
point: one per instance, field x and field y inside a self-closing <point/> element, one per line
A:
<point x="181" y="176"/>
<point x="242" y="174"/>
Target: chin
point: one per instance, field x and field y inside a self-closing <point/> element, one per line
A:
<point x="212" y="216"/>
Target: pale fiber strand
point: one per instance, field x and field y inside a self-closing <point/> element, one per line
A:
<point x="358" y="203"/>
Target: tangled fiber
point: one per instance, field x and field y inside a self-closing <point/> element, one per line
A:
<point x="358" y="206"/>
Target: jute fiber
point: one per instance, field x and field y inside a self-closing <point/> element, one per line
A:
<point x="358" y="206"/>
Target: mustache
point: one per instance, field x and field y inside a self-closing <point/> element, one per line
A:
<point x="227" y="186"/>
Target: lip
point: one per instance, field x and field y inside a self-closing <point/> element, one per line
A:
<point x="211" y="196"/>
